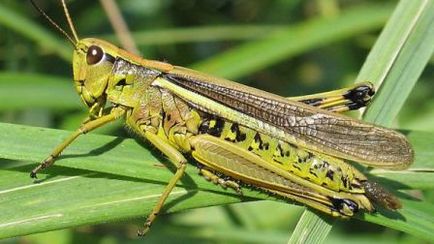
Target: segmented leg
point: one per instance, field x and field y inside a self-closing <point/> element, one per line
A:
<point x="84" y="128"/>
<point x="342" y="100"/>
<point x="228" y="159"/>
<point x="210" y="176"/>
<point x="180" y="162"/>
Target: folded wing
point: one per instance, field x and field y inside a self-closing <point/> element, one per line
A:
<point x="312" y="128"/>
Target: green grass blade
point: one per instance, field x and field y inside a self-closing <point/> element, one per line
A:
<point x="27" y="28"/>
<point x="311" y="228"/>
<point x="69" y="197"/>
<point x="312" y="34"/>
<point x="416" y="218"/>
<point x="398" y="58"/>
<point x="396" y="61"/>
<point x="202" y="34"/>
<point x="36" y="91"/>
<point x="104" y="178"/>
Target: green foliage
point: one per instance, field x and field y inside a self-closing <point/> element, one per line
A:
<point x="288" y="47"/>
<point x="105" y="178"/>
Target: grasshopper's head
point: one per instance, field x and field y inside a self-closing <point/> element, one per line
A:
<point x="92" y="62"/>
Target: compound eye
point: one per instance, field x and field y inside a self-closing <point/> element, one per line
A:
<point x="94" y="55"/>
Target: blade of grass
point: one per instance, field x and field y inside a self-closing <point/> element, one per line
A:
<point x="225" y="235"/>
<point x="99" y="179"/>
<point x="311" y="228"/>
<point x="36" y="91"/>
<point x="406" y="39"/>
<point x="69" y="197"/>
<point x="400" y="55"/>
<point x="315" y="33"/>
<point x="203" y="34"/>
<point x="26" y="27"/>
<point x="416" y="218"/>
<point x="396" y="62"/>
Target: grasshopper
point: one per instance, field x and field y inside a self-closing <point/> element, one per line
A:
<point x="295" y="148"/>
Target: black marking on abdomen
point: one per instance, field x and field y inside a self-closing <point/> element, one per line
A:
<point x="204" y="126"/>
<point x="258" y="140"/>
<point x="313" y="173"/>
<point x="239" y="136"/>
<point x="212" y="126"/>
<point x="330" y="174"/>
<point x="344" y="181"/>
<point x="277" y="161"/>
<point x="280" y="150"/>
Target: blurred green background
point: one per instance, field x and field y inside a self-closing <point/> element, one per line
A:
<point x="317" y="46"/>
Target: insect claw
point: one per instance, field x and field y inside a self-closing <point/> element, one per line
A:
<point x="35" y="170"/>
<point x="33" y="175"/>
<point x="144" y="230"/>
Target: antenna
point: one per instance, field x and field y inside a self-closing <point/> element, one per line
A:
<point x="55" y="24"/>
<point x="68" y="18"/>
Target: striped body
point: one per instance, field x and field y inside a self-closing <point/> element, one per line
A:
<point x="322" y="170"/>
<point x="282" y="146"/>
<point x="294" y="148"/>
<point x="175" y="120"/>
